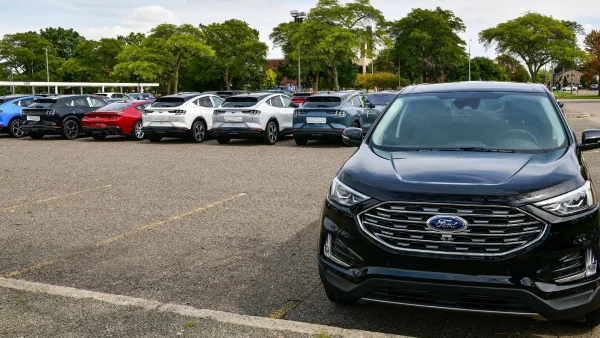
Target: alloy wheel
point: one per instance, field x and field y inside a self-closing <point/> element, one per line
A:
<point x="71" y="129"/>
<point x="272" y="132"/>
<point x="16" y="129"/>
<point x="199" y="131"/>
<point x="139" y="133"/>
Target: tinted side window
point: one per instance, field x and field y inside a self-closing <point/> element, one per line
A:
<point x="355" y="101"/>
<point x="276" y="102"/>
<point x="286" y="101"/>
<point x="77" y="102"/>
<point x="97" y="102"/>
<point x="217" y="101"/>
<point x="205" y="102"/>
<point x="117" y="96"/>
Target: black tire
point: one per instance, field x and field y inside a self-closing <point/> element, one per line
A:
<point x="36" y="136"/>
<point x="301" y="141"/>
<point x="155" y="138"/>
<point x="355" y="124"/>
<point x="71" y="130"/>
<point x="98" y="137"/>
<point x="14" y="128"/>
<point x="137" y="133"/>
<point x="198" y="132"/>
<point x="271" y="133"/>
<point x="223" y="140"/>
<point x="339" y="299"/>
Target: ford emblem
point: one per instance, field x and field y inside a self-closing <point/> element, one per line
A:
<point x="447" y="223"/>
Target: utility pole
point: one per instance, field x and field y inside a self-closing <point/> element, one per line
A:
<point x="470" y="59"/>
<point x="399" y="73"/>
<point x="47" y="71"/>
<point x="298" y="18"/>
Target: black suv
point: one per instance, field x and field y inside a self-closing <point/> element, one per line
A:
<point x="59" y="115"/>
<point x="468" y="196"/>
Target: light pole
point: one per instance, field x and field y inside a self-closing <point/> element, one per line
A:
<point x="47" y="70"/>
<point x="298" y="18"/>
<point x="470" y="59"/>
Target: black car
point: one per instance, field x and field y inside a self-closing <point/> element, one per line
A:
<point x="59" y="115"/>
<point x="472" y="197"/>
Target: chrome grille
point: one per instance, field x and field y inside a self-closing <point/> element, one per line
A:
<point x="491" y="231"/>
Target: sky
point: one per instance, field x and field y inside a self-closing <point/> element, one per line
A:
<point x="96" y="19"/>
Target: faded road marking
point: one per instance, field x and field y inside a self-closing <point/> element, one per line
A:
<point x="120" y="237"/>
<point x="271" y="324"/>
<point x="12" y="208"/>
<point x="289" y="306"/>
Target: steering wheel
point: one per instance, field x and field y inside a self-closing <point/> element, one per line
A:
<point x="517" y="131"/>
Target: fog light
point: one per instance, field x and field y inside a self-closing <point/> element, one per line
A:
<point x="327" y="251"/>
<point x="590" y="268"/>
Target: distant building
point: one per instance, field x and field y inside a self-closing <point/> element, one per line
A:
<point x="273" y="64"/>
<point x="575" y="75"/>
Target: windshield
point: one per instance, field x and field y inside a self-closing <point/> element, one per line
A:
<point x="322" y="101"/>
<point x="116" y="106"/>
<point x="479" y="120"/>
<point x="244" y="101"/>
<point x="168" y="102"/>
<point x="380" y="99"/>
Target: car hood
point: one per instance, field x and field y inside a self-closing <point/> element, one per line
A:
<point x="501" y="177"/>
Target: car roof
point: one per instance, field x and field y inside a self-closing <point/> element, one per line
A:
<point x="257" y="94"/>
<point x="338" y="94"/>
<point x="475" y="86"/>
<point x="14" y="97"/>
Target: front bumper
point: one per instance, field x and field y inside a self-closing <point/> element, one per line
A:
<point x="167" y="131"/>
<point x="463" y="298"/>
<point x="513" y="285"/>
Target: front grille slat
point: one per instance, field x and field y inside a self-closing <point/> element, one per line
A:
<point x="491" y="230"/>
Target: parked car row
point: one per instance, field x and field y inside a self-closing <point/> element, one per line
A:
<point x="263" y="115"/>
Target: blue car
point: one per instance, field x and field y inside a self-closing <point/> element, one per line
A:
<point x="326" y="115"/>
<point x="10" y="113"/>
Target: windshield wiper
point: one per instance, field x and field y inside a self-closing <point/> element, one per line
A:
<point x="474" y="149"/>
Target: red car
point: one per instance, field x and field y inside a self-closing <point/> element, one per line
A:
<point x="299" y="98"/>
<point x="117" y="118"/>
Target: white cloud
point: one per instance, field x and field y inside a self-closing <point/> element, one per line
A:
<point x="140" y="19"/>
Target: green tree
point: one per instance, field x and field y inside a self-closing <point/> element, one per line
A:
<point x="270" y="79"/>
<point x="132" y="38"/>
<point x="484" y="69"/>
<point x="386" y="61"/>
<point x="427" y="42"/>
<point x="65" y="41"/>
<point x="534" y="38"/>
<point x="592" y="47"/>
<point x="24" y="55"/>
<point x="162" y="55"/>
<point x="93" y="61"/>
<point x="513" y="68"/>
<point x="238" y="50"/>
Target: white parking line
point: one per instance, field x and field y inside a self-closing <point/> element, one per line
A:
<point x="220" y="316"/>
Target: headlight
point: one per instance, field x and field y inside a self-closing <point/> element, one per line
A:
<point x="344" y="195"/>
<point x="578" y="200"/>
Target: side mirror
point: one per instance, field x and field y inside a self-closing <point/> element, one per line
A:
<point x="294" y="105"/>
<point x="560" y="104"/>
<point x="371" y="105"/>
<point x="590" y="139"/>
<point x="352" y="136"/>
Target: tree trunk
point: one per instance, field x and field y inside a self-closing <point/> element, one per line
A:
<point x="336" y="84"/>
<point x="316" y="89"/>
<point x="176" y="77"/>
<point x="227" y="84"/>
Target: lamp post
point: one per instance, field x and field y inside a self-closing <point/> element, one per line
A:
<point x="470" y="59"/>
<point x="298" y="18"/>
<point x="47" y="70"/>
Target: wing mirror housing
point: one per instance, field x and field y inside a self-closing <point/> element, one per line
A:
<point x="294" y="105"/>
<point x="352" y="136"/>
<point x="590" y="139"/>
<point x="560" y="103"/>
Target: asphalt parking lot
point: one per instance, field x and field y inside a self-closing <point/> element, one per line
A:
<point x="221" y="227"/>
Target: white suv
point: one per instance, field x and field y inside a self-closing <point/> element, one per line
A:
<point x="258" y="115"/>
<point x="181" y="115"/>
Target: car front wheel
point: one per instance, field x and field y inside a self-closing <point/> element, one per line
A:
<point x="98" y="137"/>
<point x="223" y="140"/>
<point x="155" y="138"/>
<point x="300" y="141"/>
<point x="36" y="136"/>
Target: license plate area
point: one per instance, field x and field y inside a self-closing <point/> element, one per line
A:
<point x="33" y="118"/>
<point x="234" y="118"/>
<point x="316" y="120"/>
